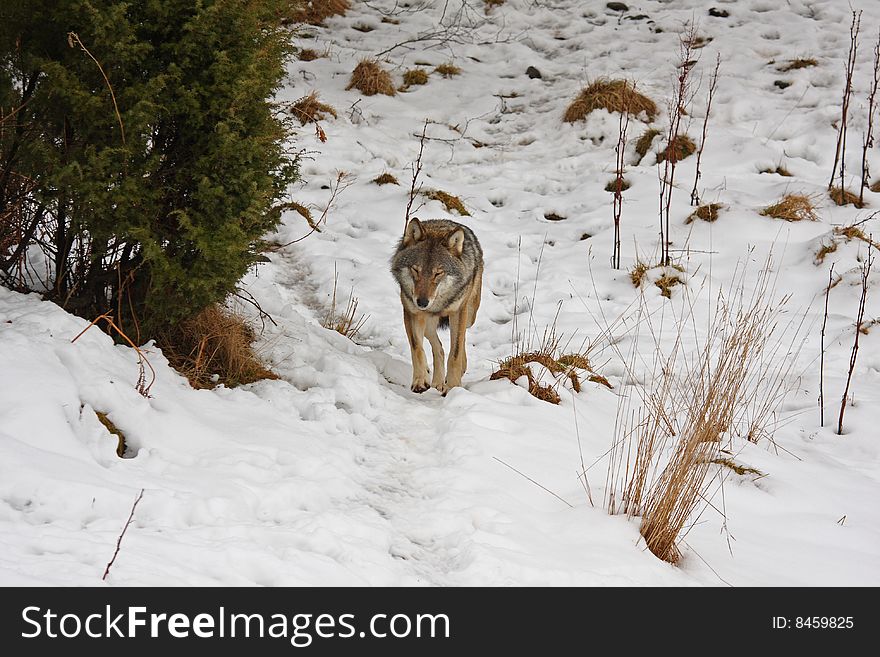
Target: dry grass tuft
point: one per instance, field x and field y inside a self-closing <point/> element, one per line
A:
<point x="792" y="207"/>
<point x="856" y="233"/>
<point x="370" y="79"/>
<point x="385" y="179"/>
<point x="308" y="55"/>
<point x="824" y="251"/>
<point x="614" y="183"/>
<point x="875" y="187"/>
<point x="667" y="280"/>
<point x="491" y="4"/>
<point x="611" y="95"/>
<point x="309" y="109"/>
<point x="574" y="368"/>
<point x="736" y="467"/>
<point x="643" y="144"/>
<point x="112" y="428"/>
<point x="448" y="70"/>
<point x="678" y="149"/>
<point x="414" y="77"/>
<point x="843" y="196"/>
<point x="214" y="347"/>
<point x="314" y="12"/>
<point x="794" y="64"/>
<point x="637" y="273"/>
<point x="778" y="170"/>
<point x="450" y="202"/>
<point x="346" y="323"/>
<point x="694" y="401"/>
<point x="708" y="212"/>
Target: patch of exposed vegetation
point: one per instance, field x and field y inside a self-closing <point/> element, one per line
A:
<point x="611" y="95"/>
<point x="450" y="202"/>
<point x="792" y="207"/>
<point x="708" y="212"/>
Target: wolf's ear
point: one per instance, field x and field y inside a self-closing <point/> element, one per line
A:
<point x="455" y="242"/>
<point x="414" y="232"/>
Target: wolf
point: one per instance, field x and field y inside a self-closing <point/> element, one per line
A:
<point x="439" y="267"/>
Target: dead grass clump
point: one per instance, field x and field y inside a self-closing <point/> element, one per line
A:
<point x="314" y="12"/>
<point x="678" y="149"/>
<point x="414" y="77"/>
<point x="875" y="187"/>
<point x="736" y="467"/>
<point x="708" y="212"/>
<point x="304" y="212"/>
<point x="792" y="207"/>
<point x="346" y="323"/>
<point x="856" y="233"/>
<point x="778" y="170"/>
<point x="450" y="202"/>
<point x="643" y="144"/>
<point x="308" y="55"/>
<point x="574" y="367"/>
<point x="695" y="400"/>
<point x="637" y="273"/>
<point x="385" y="178"/>
<point x="611" y="95"/>
<point x="824" y="251"/>
<point x="843" y="196"/>
<point x="622" y="183"/>
<point x="491" y="4"/>
<point x="309" y="109"/>
<point x="214" y="347"/>
<point x="370" y="79"/>
<point x="794" y="64"/>
<point x="666" y="282"/>
<point x="112" y="428"/>
<point x="448" y="70"/>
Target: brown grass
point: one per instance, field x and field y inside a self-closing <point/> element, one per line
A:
<point x="856" y="233"/>
<point x="574" y="367"/>
<point x="414" y="77"/>
<point x="824" y="251"/>
<point x="612" y="95"/>
<point x="448" y="70"/>
<point x="637" y="273"/>
<point x="736" y="467"/>
<point x="778" y="170"/>
<point x="385" y="179"/>
<point x="643" y="143"/>
<point x="843" y="196"/>
<point x="450" y="202"/>
<point x="491" y="4"/>
<point x="346" y="323"/>
<point x="668" y="280"/>
<point x="214" y="347"/>
<point x="112" y="428"/>
<point x="875" y="187"/>
<point x="308" y="55"/>
<point x="613" y="184"/>
<point x="370" y="79"/>
<point x="794" y="64"/>
<point x="792" y="207"/>
<point x="314" y="12"/>
<point x="309" y="109"/>
<point x="681" y="147"/>
<point x="708" y="212"/>
<point x="666" y="283"/>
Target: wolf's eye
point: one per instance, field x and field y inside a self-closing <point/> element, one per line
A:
<point x="439" y="274"/>
<point x="417" y="271"/>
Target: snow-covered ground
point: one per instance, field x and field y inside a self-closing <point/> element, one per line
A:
<point x="337" y="473"/>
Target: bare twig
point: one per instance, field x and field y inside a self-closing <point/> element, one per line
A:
<point x="73" y="37"/>
<point x="868" y="143"/>
<point x="619" y="150"/>
<point x="713" y="82"/>
<point x="342" y="182"/>
<point x="533" y="481"/>
<point x="822" y="353"/>
<point x="866" y="272"/>
<point x="416" y="170"/>
<point x="849" y="67"/>
<point x="124" y="529"/>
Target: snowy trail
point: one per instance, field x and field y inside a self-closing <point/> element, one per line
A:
<point x="337" y="474"/>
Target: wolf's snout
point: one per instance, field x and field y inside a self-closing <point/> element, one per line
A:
<point x="422" y="301"/>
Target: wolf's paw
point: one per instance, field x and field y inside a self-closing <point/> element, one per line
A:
<point x="419" y="387"/>
<point x="420" y="382"/>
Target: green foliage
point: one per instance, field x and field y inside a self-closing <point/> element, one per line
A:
<point x="149" y="188"/>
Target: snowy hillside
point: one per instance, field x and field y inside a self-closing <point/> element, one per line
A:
<point x="338" y="474"/>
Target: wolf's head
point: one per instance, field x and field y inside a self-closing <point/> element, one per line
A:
<point x="428" y="264"/>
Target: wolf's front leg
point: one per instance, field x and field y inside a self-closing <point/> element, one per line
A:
<point x="439" y="377"/>
<point x="457" y="356"/>
<point x="415" y="332"/>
